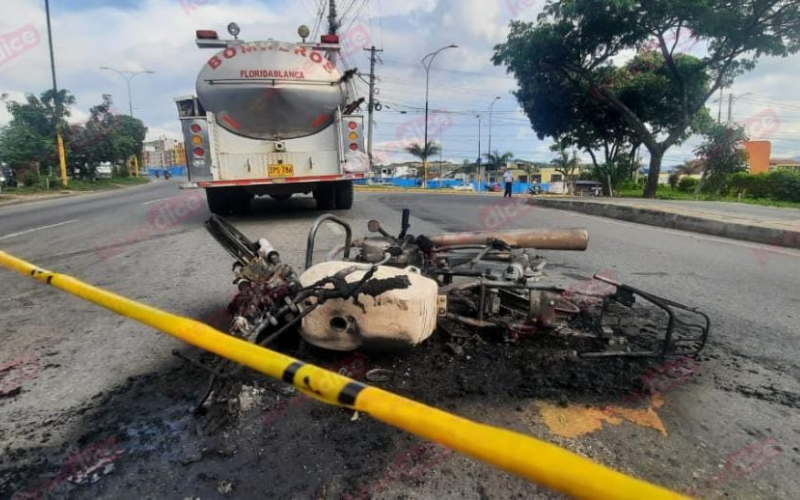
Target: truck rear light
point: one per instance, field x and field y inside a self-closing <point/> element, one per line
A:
<point x="207" y="35"/>
<point x="197" y="140"/>
<point x="353" y="136"/>
<point x="199" y="151"/>
<point x="196" y="129"/>
<point x="329" y="38"/>
<point x="353" y="146"/>
<point x="352" y="125"/>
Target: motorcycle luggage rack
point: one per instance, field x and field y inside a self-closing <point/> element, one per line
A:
<point x="693" y="335"/>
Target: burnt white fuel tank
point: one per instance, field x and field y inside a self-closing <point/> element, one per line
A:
<point x="394" y="319"/>
<point x="271" y="90"/>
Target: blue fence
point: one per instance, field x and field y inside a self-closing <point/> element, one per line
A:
<point x="517" y="187"/>
<point x="177" y="170"/>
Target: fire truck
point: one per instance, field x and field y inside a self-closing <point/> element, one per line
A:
<point x="273" y="118"/>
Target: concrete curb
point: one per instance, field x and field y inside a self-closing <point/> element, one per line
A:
<point x="34" y="198"/>
<point x="675" y="220"/>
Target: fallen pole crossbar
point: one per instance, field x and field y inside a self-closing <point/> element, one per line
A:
<point x="535" y="460"/>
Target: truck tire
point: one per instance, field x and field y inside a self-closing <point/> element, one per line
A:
<point x="325" y="194"/>
<point x="344" y="195"/>
<point x="219" y="202"/>
<point x="281" y="197"/>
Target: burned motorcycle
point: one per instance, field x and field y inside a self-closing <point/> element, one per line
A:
<point x="385" y="291"/>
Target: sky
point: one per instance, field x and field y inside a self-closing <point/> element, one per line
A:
<point x="158" y="35"/>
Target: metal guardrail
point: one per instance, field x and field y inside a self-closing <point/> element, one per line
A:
<point x="535" y="460"/>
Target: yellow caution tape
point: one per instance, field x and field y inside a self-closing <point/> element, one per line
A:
<point x="535" y="460"/>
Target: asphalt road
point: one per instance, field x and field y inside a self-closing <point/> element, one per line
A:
<point x="98" y="407"/>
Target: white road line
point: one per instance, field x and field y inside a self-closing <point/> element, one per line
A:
<point x="156" y="201"/>
<point x="37" y="229"/>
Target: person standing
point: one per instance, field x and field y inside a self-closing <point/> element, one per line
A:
<point x="509" y="180"/>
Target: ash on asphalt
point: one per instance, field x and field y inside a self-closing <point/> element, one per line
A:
<point x="260" y="432"/>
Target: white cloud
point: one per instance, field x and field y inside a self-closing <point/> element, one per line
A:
<point x="158" y="35"/>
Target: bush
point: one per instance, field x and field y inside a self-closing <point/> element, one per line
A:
<point x="687" y="184"/>
<point x="785" y="185"/>
<point x="673" y="180"/>
<point x="782" y="185"/>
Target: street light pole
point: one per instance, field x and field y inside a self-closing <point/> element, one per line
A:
<point x="480" y="176"/>
<point x="427" y="65"/>
<point x="491" y="107"/>
<point x="128" y="76"/>
<point x="731" y="101"/>
<point x="62" y="159"/>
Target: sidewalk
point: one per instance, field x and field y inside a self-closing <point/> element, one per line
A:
<point x="768" y="225"/>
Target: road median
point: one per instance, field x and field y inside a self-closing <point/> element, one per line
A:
<point x="783" y="233"/>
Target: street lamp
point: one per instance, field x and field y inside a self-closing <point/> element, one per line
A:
<point x="128" y="76"/>
<point x="426" y="63"/>
<point x="491" y="107"/>
<point x="479" y="152"/>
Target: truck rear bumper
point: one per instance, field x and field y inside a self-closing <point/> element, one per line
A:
<point x="268" y="181"/>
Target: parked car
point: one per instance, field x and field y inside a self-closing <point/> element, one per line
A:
<point x="588" y="188"/>
<point x="104" y="170"/>
<point x="7" y="177"/>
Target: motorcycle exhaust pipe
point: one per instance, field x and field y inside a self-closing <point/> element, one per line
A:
<point x="540" y="238"/>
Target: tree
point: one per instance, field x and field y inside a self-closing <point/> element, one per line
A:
<point x="496" y="159"/>
<point x="660" y="94"/>
<point x="105" y="137"/>
<point x="28" y="141"/>
<point x="723" y="154"/>
<point x="566" y="166"/>
<point x="423" y="153"/>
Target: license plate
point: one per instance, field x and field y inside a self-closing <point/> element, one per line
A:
<point x="281" y="170"/>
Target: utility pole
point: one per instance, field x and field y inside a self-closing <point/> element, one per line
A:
<point x="730" y="107"/>
<point x="719" y="111"/>
<point x="333" y="25"/>
<point x="371" y="105"/>
<point x="62" y="158"/>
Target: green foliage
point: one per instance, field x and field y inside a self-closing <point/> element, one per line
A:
<point x="613" y="174"/>
<point x="781" y="185"/>
<point x="28" y="142"/>
<point x="573" y="89"/>
<point x="673" y="180"/>
<point x="430" y="149"/>
<point x="687" y="184"/>
<point x="722" y="154"/>
<point x="496" y="158"/>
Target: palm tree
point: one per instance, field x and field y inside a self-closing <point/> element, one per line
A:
<point x="566" y="166"/>
<point x="496" y="159"/>
<point x="423" y="153"/>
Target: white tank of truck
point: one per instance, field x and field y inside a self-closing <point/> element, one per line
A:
<point x="272" y="118"/>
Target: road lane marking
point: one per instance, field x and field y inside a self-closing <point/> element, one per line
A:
<point x="37" y="229"/>
<point x="156" y="201"/>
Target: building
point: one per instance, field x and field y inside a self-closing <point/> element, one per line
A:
<point x="784" y="164"/>
<point x="162" y="153"/>
<point x="759" y="153"/>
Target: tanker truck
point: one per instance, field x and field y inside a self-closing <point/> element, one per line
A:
<point x="272" y="118"/>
